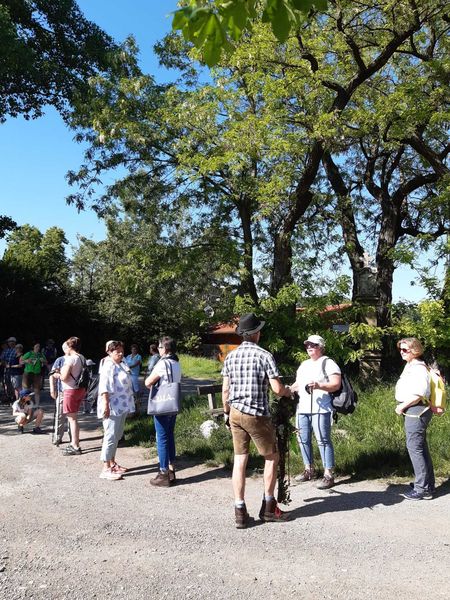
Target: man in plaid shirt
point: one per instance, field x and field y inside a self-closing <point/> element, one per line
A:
<point x="247" y="373"/>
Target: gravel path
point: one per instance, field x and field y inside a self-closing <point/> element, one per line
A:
<point x="66" y="534"/>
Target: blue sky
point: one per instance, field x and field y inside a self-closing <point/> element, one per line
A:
<point x="36" y="155"/>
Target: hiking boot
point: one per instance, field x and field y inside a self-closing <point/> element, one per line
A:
<point x="161" y="480"/>
<point x="37" y="430"/>
<point x="307" y="475"/>
<point x="241" y="517"/>
<point x="270" y="512"/>
<point x="172" y="477"/>
<point x="20" y="428"/>
<point x="326" y="483"/>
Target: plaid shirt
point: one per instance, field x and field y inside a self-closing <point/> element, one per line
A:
<point x="249" y="369"/>
<point x="9" y="355"/>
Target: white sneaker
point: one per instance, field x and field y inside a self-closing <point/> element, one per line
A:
<point x="110" y="474"/>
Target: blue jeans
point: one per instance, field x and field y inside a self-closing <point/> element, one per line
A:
<point x="321" y="424"/>
<point x="165" y="439"/>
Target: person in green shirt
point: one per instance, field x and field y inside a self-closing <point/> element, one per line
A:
<point x="33" y="360"/>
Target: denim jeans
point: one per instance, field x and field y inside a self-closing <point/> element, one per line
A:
<point x="165" y="439"/>
<point x="416" y="443"/>
<point x="321" y="424"/>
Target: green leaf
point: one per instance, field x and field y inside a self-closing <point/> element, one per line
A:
<point x="306" y="5"/>
<point x="278" y="15"/>
<point x="181" y="17"/>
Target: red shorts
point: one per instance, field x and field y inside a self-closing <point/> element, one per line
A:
<point x="72" y="400"/>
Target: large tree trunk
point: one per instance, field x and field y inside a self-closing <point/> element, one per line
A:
<point x="385" y="265"/>
<point x="282" y="262"/>
<point x="247" y="279"/>
<point x="353" y="248"/>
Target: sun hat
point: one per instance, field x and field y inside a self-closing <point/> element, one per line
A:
<point x="24" y="393"/>
<point x="315" y="339"/>
<point x="11" y="339"/>
<point x="249" y="323"/>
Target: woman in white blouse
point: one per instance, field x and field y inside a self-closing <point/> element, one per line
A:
<point x="412" y="393"/>
<point x="116" y="400"/>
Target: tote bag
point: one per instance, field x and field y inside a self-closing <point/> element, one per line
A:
<point x="166" y="398"/>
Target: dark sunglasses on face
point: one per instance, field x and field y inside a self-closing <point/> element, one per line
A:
<point x="311" y="345"/>
<point x="405" y="350"/>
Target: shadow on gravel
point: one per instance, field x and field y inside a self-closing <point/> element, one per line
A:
<point x="141" y="470"/>
<point x="218" y="473"/>
<point x="337" y="501"/>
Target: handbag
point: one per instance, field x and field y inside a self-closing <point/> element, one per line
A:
<point x="166" y="398"/>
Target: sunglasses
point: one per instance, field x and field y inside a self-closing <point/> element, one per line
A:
<point x="311" y="345"/>
<point x="405" y="350"/>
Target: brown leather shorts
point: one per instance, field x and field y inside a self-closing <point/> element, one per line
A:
<point x="247" y="427"/>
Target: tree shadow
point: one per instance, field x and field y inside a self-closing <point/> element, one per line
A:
<point x="141" y="470"/>
<point x="216" y="473"/>
<point x="339" y="501"/>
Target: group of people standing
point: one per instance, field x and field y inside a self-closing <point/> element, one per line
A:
<point x="248" y="372"/>
<point x="118" y="389"/>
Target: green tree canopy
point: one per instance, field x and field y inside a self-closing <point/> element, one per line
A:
<point x="216" y="25"/>
<point x="49" y="51"/>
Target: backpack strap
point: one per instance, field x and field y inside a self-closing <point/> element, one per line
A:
<point x="83" y="365"/>
<point x="323" y="368"/>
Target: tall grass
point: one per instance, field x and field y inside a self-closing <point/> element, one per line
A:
<point x="369" y="443"/>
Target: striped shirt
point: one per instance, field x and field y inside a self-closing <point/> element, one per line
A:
<point x="249" y="369"/>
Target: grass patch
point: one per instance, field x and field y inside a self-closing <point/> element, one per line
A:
<point x="370" y="443"/>
<point x="200" y="368"/>
<point x="189" y="441"/>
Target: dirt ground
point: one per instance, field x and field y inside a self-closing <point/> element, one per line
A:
<point x="66" y="534"/>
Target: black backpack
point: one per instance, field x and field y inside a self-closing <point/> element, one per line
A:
<point x="83" y="380"/>
<point x="345" y="398"/>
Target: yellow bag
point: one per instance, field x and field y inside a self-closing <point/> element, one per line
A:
<point x="438" y="393"/>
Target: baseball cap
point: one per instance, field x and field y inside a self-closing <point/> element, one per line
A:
<point x="315" y="339"/>
<point x="90" y="363"/>
<point x="11" y="339"/>
<point x="24" y="393"/>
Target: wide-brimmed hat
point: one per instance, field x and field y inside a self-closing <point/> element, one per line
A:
<point x="316" y="339"/>
<point x="249" y="323"/>
<point x="24" y="393"/>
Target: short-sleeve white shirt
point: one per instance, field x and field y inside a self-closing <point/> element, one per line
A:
<point x="160" y="369"/>
<point x="414" y="381"/>
<point x="311" y="370"/>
